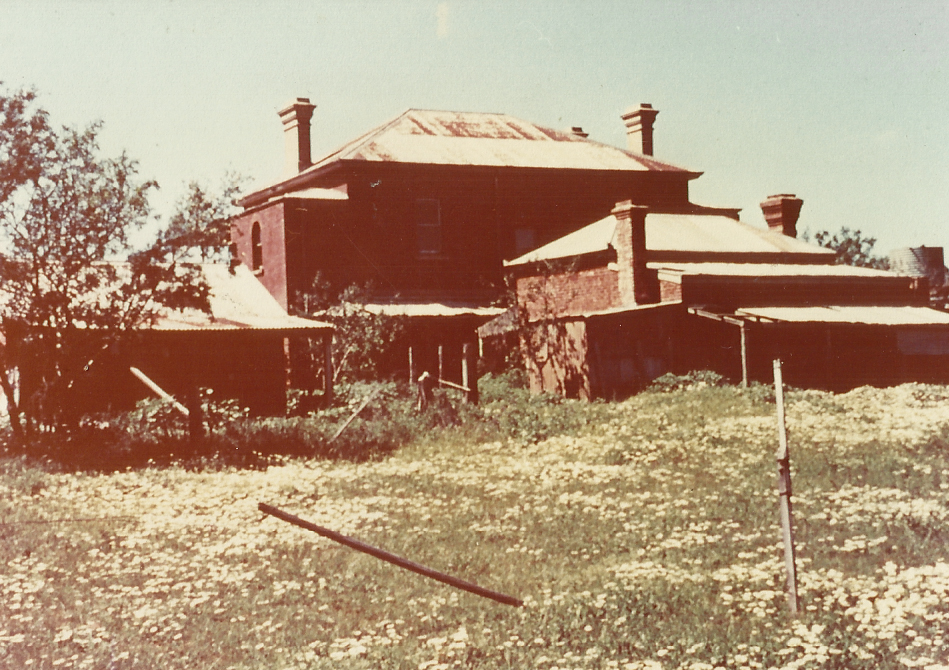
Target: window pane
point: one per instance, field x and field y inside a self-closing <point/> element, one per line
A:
<point x="428" y="213"/>
<point x="428" y="227"/>
<point x="429" y="239"/>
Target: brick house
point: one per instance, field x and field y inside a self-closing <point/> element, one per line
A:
<point x="639" y="293"/>
<point x="427" y="206"/>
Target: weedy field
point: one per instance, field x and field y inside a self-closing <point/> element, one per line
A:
<point x="640" y="534"/>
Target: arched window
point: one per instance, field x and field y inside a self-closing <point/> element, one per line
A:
<point x="257" y="250"/>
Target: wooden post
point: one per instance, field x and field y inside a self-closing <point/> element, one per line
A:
<point x="195" y="415"/>
<point x="158" y="390"/>
<point x="784" y="491"/>
<point x="328" y="375"/>
<point x="411" y="367"/>
<point x="469" y="373"/>
<point x="359" y="409"/>
<point x="441" y="361"/>
<point x="425" y="385"/>
<point x="744" y="356"/>
<point x="388" y="557"/>
<point x="464" y="370"/>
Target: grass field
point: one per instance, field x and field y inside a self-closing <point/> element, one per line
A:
<point x="644" y="536"/>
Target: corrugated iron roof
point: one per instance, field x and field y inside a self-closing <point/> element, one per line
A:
<point x="433" y="309"/>
<point x="433" y="137"/>
<point x="477" y="138"/>
<point x="703" y="233"/>
<point x="768" y="270"/>
<point x="873" y="316"/>
<point x="238" y="302"/>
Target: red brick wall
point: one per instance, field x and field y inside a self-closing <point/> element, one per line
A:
<point x="578" y="292"/>
<point x="372" y="235"/>
<point x="556" y="356"/>
<point x="273" y="272"/>
<point x="670" y="291"/>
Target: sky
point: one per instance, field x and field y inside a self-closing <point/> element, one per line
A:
<point x="844" y="103"/>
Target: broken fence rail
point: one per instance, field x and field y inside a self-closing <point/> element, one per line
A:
<point x="391" y="558"/>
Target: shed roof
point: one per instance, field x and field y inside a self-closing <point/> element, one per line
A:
<point x="672" y="233"/>
<point x="873" y="315"/>
<point x="778" y="270"/>
<point x="444" y="308"/>
<point x="238" y="302"/>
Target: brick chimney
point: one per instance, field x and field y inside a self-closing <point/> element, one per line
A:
<point x="639" y="128"/>
<point x="296" y="133"/>
<point x="781" y="212"/>
<point x="636" y="283"/>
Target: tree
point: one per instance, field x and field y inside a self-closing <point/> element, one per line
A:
<point x="367" y="346"/>
<point x="201" y="223"/>
<point x="66" y="217"/>
<point x="852" y="248"/>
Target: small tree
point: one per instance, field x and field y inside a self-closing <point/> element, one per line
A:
<point x="366" y="346"/>
<point x="66" y="217"/>
<point x="852" y="248"/>
<point x="201" y="223"/>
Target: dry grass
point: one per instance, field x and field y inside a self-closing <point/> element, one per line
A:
<point x="647" y="538"/>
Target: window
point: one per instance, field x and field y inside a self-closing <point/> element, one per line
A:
<point x="428" y="226"/>
<point x="257" y="249"/>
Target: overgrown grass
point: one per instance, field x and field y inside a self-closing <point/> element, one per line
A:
<point x="641" y="534"/>
<point x="156" y="433"/>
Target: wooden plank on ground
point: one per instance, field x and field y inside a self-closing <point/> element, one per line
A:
<point x="388" y="557"/>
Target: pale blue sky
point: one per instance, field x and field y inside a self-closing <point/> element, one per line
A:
<point x="845" y="104"/>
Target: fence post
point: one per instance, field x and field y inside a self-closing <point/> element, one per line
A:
<point x="784" y="491"/>
<point x="328" y="373"/>
<point x="195" y="414"/>
<point x="411" y="367"/>
<point x="441" y="362"/>
<point x="744" y="355"/>
<point x="469" y="373"/>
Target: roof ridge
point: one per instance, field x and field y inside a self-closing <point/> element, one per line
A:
<point x="350" y="146"/>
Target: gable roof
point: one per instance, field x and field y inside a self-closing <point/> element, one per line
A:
<point x="672" y="235"/>
<point x="431" y="137"/>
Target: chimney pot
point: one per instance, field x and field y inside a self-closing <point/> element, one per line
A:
<point x="296" y="132"/>
<point x="639" y="128"/>
<point x="781" y="211"/>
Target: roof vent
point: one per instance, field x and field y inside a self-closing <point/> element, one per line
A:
<point x="639" y="128"/>
<point x="578" y="131"/>
<point x="296" y="133"/>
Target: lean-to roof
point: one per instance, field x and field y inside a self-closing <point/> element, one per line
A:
<point x="238" y="302"/>
<point x="871" y="315"/>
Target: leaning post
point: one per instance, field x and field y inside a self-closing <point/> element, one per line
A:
<point x="784" y="491"/>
